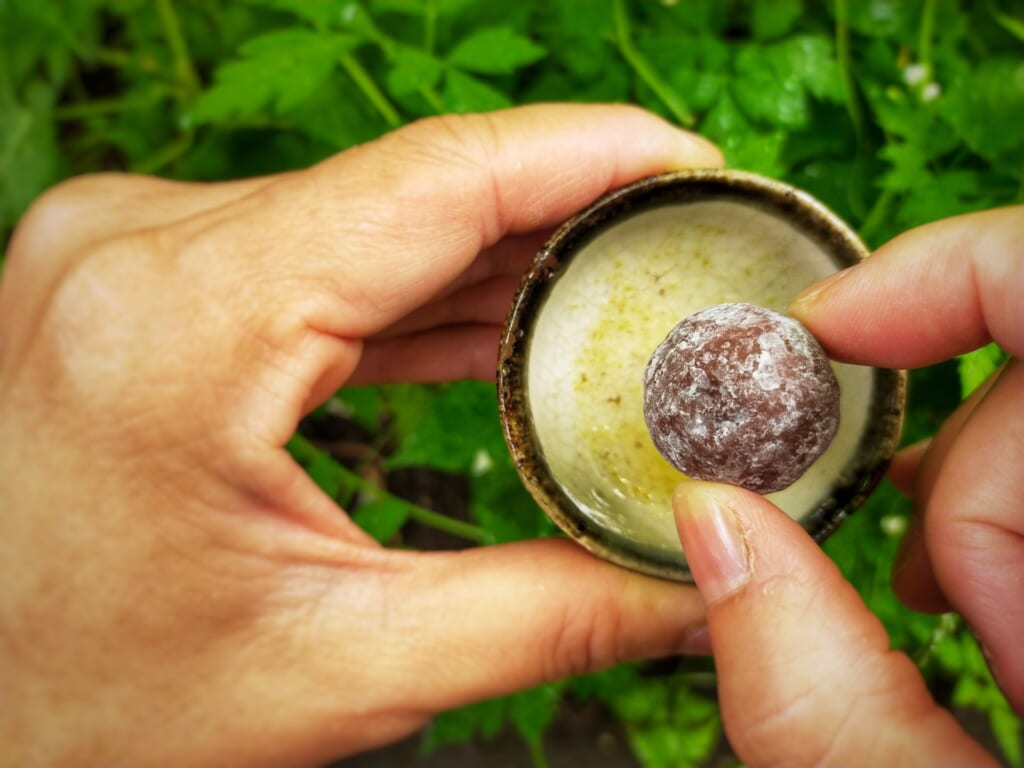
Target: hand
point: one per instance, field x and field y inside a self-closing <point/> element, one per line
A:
<point x="174" y="590"/>
<point x="806" y="674"/>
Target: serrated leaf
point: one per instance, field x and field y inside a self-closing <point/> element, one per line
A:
<point x="908" y="166"/>
<point x="744" y="145"/>
<point x="459" y="422"/>
<point x="382" y="518"/>
<point x="986" y="106"/>
<point x="533" y="710"/>
<point x="276" y="73"/>
<point x="464" y="93"/>
<point x="411" y="70"/>
<point x="774" y="82"/>
<point x="945" y="194"/>
<point x="974" y="367"/>
<point x="495" y="51"/>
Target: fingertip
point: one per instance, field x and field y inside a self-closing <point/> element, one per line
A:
<point x="681" y="148"/>
<point x="811" y="305"/>
<point x="694" y="151"/>
<point x="713" y="537"/>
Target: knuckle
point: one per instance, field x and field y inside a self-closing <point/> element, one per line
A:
<point x="587" y="638"/>
<point x="468" y="140"/>
<point x="60" y="210"/>
<point x="472" y="143"/>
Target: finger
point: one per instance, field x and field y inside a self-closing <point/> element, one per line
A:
<point x="905" y="466"/>
<point x="509" y="256"/>
<point x="443" y="354"/>
<point x="934" y="292"/>
<point x="386" y="226"/>
<point x="505" y="618"/>
<point x="485" y="303"/>
<point x="806" y="676"/>
<point x="917" y="469"/>
<point x="974" y="527"/>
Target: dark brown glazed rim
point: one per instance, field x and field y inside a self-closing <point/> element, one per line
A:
<point x="877" y="444"/>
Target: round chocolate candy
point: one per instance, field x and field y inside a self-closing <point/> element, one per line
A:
<point x="743" y="395"/>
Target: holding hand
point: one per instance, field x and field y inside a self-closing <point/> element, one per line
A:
<point x="806" y="674"/>
<point x="174" y="590"/>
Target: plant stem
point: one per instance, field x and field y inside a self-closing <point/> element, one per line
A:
<point x="429" y="26"/>
<point x="165" y="155"/>
<point x="118" y="59"/>
<point x="537" y="755"/>
<point x="1014" y="26"/>
<point x="183" y="67"/>
<point x="948" y="624"/>
<point x="846" y="69"/>
<point x="925" y="34"/>
<point x="644" y="70"/>
<point x="877" y="215"/>
<point x="433" y="99"/>
<point x="82" y="110"/>
<point x="304" y="450"/>
<point x="369" y="88"/>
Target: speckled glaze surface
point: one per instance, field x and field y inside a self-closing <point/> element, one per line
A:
<point x="851" y="484"/>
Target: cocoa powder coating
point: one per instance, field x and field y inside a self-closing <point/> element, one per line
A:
<point x="743" y="395"/>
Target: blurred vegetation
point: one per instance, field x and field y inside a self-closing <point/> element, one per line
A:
<point x="893" y="112"/>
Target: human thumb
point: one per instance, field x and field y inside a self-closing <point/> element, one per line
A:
<point x="806" y="676"/>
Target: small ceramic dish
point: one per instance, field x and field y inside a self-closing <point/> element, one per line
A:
<point x="599" y="297"/>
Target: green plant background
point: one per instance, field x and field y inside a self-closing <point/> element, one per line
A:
<point x="893" y="112"/>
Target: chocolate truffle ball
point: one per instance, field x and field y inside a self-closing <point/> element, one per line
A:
<point x="743" y="395"/>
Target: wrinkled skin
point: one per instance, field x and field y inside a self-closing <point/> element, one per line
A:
<point x="175" y="591"/>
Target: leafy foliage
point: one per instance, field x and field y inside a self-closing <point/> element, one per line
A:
<point x="893" y="112"/>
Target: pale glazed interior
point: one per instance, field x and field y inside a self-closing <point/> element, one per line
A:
<point x="611" y="306"/>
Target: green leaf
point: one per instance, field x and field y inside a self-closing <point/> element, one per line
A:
<point x="495" y="51"/>
<point x="278" y="71"/>
<point x="884" y="18"/>
<point x="329" y="475"/>
<point x="774" y="18"/>
<point x="411" y="70"/>
<point x="774" y="82"/>
<point x="464" y="93"/>
<point x="29" y="162"/>
<point x="908" y="166"/>
<point x="945" y="194"/>
<point x="974" y="367"/>
<point x="459" y="423"/>
<point x="1006" y="727"/>
<point x="744" y="145"/>
<point x="363" y="404"/>
<point x="532" y="711"/>
<point x="485" y="719"/>
<point x="985" y="106"/>
<point x="381" y="518"/>
<point x="322" y="14"/>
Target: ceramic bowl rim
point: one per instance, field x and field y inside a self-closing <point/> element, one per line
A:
<point x="840" y="242"/>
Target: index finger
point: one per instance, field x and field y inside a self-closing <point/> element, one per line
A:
<point x="931" y="293"/>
